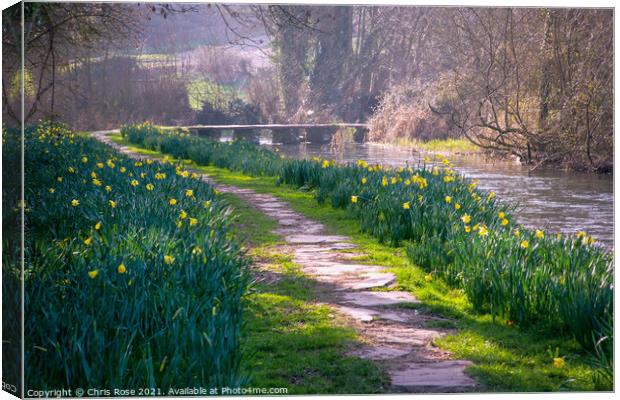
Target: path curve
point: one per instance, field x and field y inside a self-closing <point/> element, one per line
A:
<point x="395" y="336"/>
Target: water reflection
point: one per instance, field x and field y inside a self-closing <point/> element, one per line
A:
<point x="560" y="201"/>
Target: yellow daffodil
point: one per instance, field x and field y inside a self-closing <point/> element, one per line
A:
<point x="364" y="180"/>
<point x="160" y="176"/>
<point x="196" y="250"/>
<point x="97" y="182"/>
<point x="93" y="274"/>
<point x="179" y="224"/>
<point x="112" y="203"/>
<point x="353" y="199"/>
<point x="71" y="170"/>
<point x="182" y="214"/>
<point x="98" y="226"/>
<point x="121" y="269"/>
<point x="394" y="180"/>
<point x="172" y="202"/>
<point x="88" y="241"/>
<point x="407" y="182"/>
<point x="428" y="277"/>
<point x="491" y="196"/>
<point x="406" y="205"/>
<point x="325" y="164"/>
<point x="149" y="186"/>
<point x="483" y="231"/>
<point x="467" y="228"/>
<point x="504" y="222"/>
<point x="123" y="169"/>
<point x="457" y="206"/>
<point x="193" y="221"/>
<point x="558" y="362"/>
<point x="99" y="165"/>
<point x="384" y="181"/>
<point x="448" y="199"/>
<point x="110" y="164"/>
<point x="539" y="234"/>
<point x="75" y="202"/>
<point x="206" y="203"/>
<point x="84" y="160"/>
<point x="134" y="183"/>
<point x="525" y="244"/>
<point x="581" y="234"/>
<point x="142" y="175"/>
<point x="137" y="164"/>
<point x="52" y="190"/>
<point x="501" y="215"/>
<point x="516" y="232"/>
<point x="59" y="179"/>
<point x="108" y="188"/>
<point x="189" y="193"/>
<point x="93" y="175"/>
<point x="168" y="259"/>
<point x="149" y="161"/>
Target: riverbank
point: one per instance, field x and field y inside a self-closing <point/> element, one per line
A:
<point x="437" y="146"/>
<point x="505" y="357"/>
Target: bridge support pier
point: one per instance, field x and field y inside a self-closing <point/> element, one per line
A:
<point x="249" y="135"/>
<point x="285" y="136"/>
<point x="360" y="135"/>
<point x="213" y="134"/>
<point x="320" y="134"/>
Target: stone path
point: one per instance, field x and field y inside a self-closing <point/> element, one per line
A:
<point x="395" y="335"/>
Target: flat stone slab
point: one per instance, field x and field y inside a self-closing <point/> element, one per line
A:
<point x="327" y="247"/>
<point x="402" y="334"/>
<point x="315" y="239"/>
<point x="380" y="352"/>
<point x="280" y="213"/>
<point x="340" y="269"/>
<point x="369" y="281"/>
<point x="437" y="377"/>
<point x="369" y="314"/>
<point x="373" y="299"/>
<point x="288" y="231"/>
<point x="290" y="221"/>
<point x="360" y="314"/>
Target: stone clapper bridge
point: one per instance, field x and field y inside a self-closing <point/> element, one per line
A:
<point x="396" y="337"/>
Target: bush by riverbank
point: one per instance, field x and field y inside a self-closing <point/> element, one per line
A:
<point x="454" y="231"/>
<point x="132" y="279"/>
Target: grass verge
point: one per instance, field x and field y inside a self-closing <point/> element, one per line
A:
<point x="506" y="358"/>
<point x="446" y="146"/>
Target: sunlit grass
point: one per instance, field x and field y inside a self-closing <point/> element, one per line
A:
<point x="439" y="145"/>
<point x="201" y="90"/>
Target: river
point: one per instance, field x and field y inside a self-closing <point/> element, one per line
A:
<point x="559" y="201"/>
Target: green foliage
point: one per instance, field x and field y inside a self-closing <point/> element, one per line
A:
<point x="455" y="231"/>
<point x="125" y="289"/>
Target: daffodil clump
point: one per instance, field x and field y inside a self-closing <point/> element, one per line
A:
<point x="451" y="228"/>
<point x="118" y="293"/>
